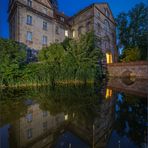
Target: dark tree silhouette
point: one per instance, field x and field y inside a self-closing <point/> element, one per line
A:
<point x="54" y="3"/>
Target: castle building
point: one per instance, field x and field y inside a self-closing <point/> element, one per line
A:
<point x="38" y="23"/>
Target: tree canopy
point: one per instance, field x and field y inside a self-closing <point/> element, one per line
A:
<point x="71" y="60"/>
<point x="12" y="60"/>
<point x="132" y="29"/>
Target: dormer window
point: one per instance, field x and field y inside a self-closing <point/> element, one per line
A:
<point x="45" y="11"/>
<point x="62" y="19"/>
<point x="29" y="3"/>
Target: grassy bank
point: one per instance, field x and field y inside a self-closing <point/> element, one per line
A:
<point x="66" y="82"/>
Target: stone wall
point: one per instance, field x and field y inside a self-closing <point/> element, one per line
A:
<point x="97" y="17"/>
<point x="130" y="86"/>
<point x="132" y="69"/>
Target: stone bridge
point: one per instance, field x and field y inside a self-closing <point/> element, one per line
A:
<point x="133" y="69"/>
<point x="138" y="87"/>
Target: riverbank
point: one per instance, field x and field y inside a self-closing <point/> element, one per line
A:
<point x="68" y="82"/>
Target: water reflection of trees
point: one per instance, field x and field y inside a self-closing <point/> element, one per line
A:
<point x="83" y="106"/>
<point x="78" y="102"/>
<point x="131" y="118"/>
<point x="12" y="105"/>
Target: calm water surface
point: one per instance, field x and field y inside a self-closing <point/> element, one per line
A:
<point x="110" y="115"/>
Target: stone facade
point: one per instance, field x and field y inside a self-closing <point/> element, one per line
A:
<point x="38" y="23"/>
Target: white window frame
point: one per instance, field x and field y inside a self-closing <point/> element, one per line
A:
<point x="29" y="20"/>
<point x="45" y="25"/>
<point x="44" y="40"/>
<point x="29" y="3"/>
<point x="29" y="36"/>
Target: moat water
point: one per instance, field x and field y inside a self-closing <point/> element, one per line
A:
<point x="112" y="114"/>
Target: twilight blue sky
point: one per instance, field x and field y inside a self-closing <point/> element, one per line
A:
<point x="69" y="7"/>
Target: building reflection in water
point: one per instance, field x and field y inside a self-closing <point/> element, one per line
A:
<point x="77" y="117"/>
<point x="38" y="128"/>
<point x="35" y="128"/>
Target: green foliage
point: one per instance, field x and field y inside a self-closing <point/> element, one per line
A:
<point x="53" y="57"/>
<point x="132" y="29"/>
<point x="131" y="54"/>
<point x="72" y="59"/>
<point x="68" y="61"/>
<point x="12" y="59"/>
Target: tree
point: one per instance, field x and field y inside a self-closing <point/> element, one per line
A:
<point x="52" y="57"/>
<point x="83" y="56"/>
<point x="132" y="29"/>
<point x="54" y="3"/>
<point x="131" y="54"/>
<point x="12" y="61"/>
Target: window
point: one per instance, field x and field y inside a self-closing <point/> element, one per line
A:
<point x="29" y="117"/>
<point x="45" y="113"/>
<point x="106" y="23"/>
<point x="113" y="36"/>
<point x="29" y="20"/>
<point x="29" y="133"/>
<point x="88" y="26"/>
<point x="99" y="28"/>
<point x="109" y="58"/>
<point x="44" y="25"/>
<point x="98" y="14"/>
<point x="29" y="3"/>
<point x="62" y="19"/>
<point x="73" y="33"/>
<point x="80" y="30"/>
<point x="56" y="40"/>
<point x="29" y="36"/>
<point x="107" y="13"/>
<point x="66" y="33"/>
<point x="51" y="12"/>
<point x="45" y="125"/>
<point x="107" y="43"/>
<point x="57" y="30"/>
<point x="44" y="40"/>
<point x="45" y="11"/>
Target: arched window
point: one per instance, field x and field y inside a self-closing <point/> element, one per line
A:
<point x="107" y="43"/>
<point x="106" y="23"/>
<point x="73" y="33"/>
<point x="99" y="28"/>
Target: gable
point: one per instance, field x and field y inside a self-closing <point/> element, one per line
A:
<point x="103" y="7"/>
